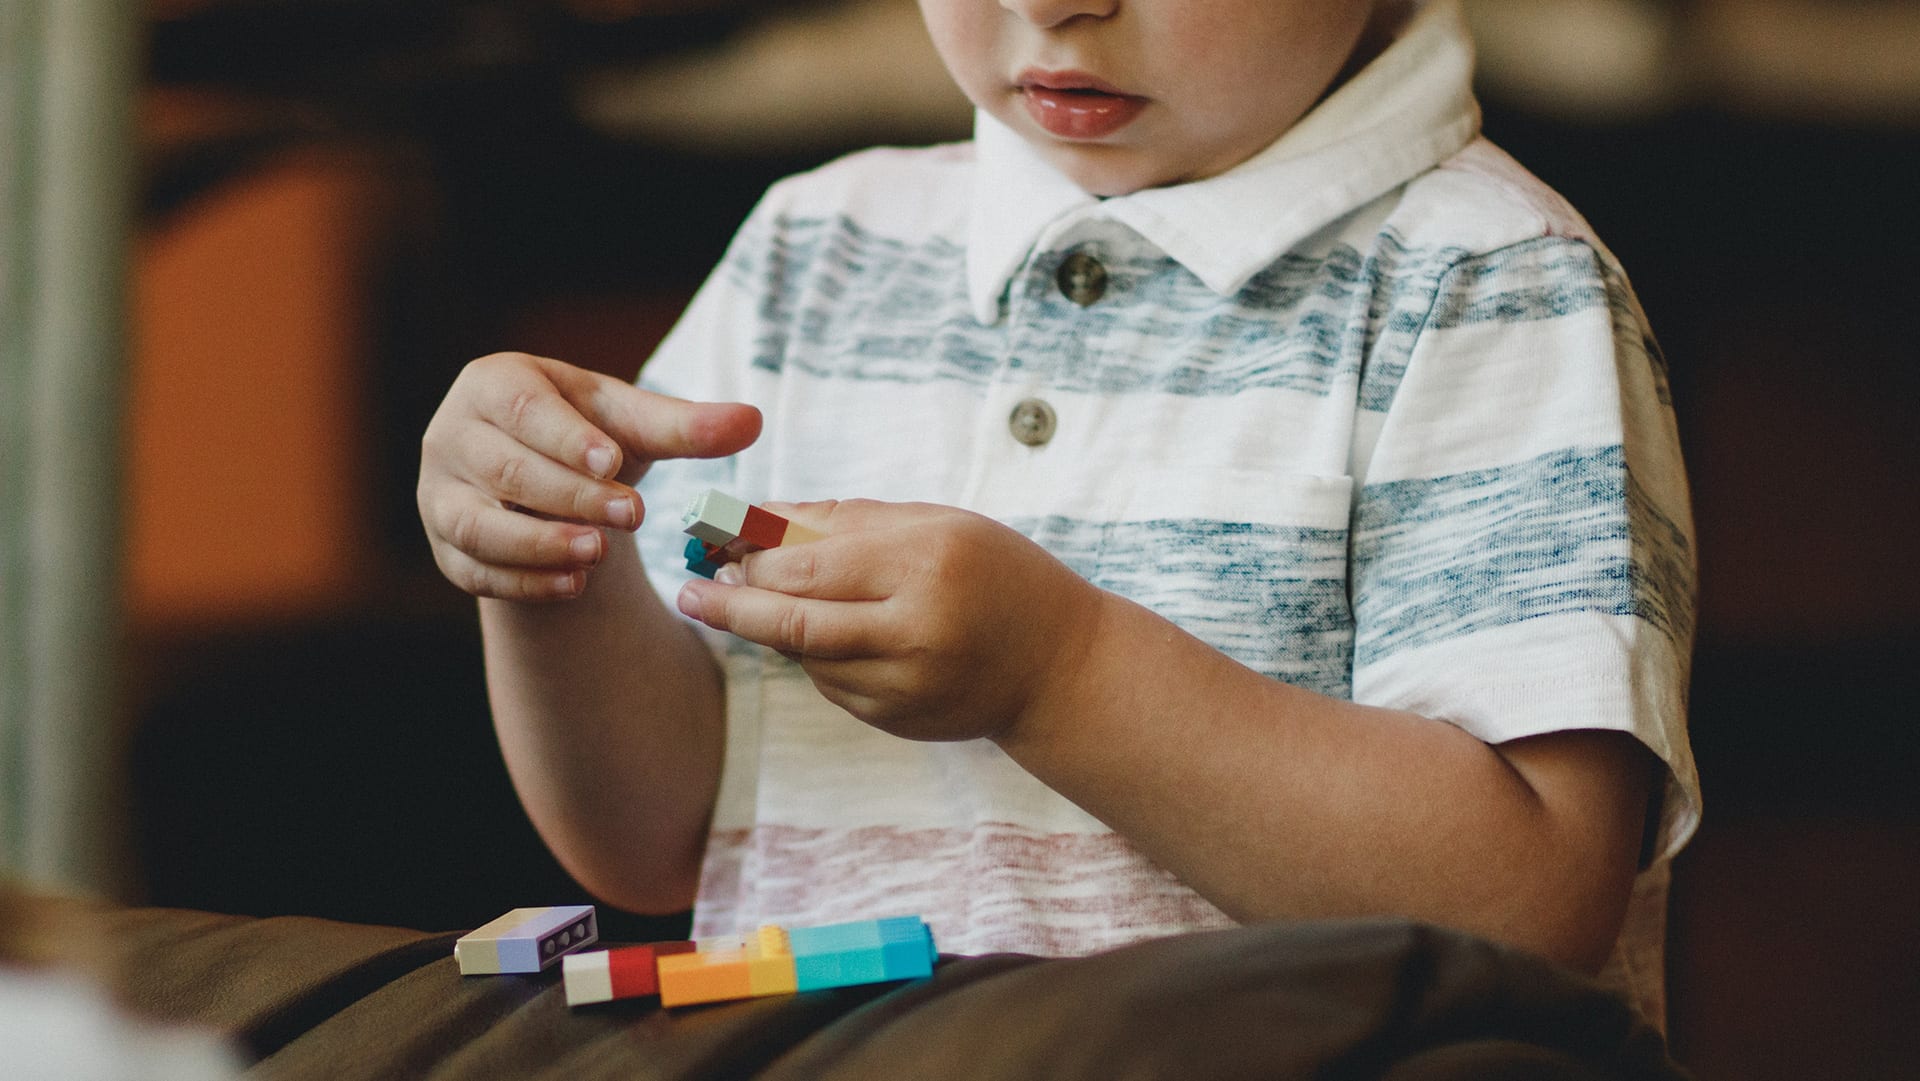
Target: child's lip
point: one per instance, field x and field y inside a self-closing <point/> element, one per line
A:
<point x="1067" y="80"/>
<point x="1075" y="104"/>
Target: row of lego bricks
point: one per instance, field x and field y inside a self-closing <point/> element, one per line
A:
<point x="772" y="960"/>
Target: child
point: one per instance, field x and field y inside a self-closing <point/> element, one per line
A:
<point x="1270" y="509"/>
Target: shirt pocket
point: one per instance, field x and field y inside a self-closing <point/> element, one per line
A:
<point x="1252" y="562"/>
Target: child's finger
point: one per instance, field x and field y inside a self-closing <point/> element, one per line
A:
<point x="651" y="427"/>
<point x="508" y="583"/>
<point x="533" y="405"/>
<point x="505" y="470"/>
<point x="844" y="567"/>
<point x="798" y="626"/>
<point x="497" y="536"/>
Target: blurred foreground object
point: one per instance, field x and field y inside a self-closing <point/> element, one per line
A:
<point x="66" y="179"/>
<point x="57" y="1028"/>
<point x="858" y="71"/>
<point x="1620" y="59"/>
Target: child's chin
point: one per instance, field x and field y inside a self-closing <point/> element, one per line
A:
<point x="1106" y="171"/>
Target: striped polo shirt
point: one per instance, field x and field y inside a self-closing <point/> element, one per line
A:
<point x="1372" y="413"/>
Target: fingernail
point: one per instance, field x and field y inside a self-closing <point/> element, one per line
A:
<point x="621" y="513"/>
<point x="600" y="460"/>
<point x="730" y="574"/>
<point x="586" y="547"/>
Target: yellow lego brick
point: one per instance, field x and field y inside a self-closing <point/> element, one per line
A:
<point x="770" y="968"/>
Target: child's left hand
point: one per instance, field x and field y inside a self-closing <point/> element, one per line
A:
<point x="925" y="621"/>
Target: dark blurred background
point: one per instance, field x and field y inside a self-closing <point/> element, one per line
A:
<point x="346" y="200"/>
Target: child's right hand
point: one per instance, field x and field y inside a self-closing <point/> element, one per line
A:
<point x="528" y="460"/>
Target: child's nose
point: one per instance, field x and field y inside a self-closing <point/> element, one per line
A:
<point x="1051" y="13"/>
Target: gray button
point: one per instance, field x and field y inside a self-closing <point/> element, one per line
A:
<point x="1081" y="278"/>
<point x="1032" y="422"/>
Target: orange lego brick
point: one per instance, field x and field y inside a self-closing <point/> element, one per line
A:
<point x="689" y="978"/>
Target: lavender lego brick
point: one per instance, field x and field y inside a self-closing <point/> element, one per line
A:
<point x="526" y="940"/>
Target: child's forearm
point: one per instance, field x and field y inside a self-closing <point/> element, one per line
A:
<point x="609" y="713"/>
<point x="1274" y="802"/>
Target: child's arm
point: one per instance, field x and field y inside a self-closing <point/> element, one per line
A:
<point x="608" y="707"/>
<point x="1269" y="800"/>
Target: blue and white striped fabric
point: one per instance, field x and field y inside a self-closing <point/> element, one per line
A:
<point x="1372" y="414"/>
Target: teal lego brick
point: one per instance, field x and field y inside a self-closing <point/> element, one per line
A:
<point x="865" y="951"/>
<point x="908" y="952"/>
<point x="700" y="557"/>
<point x="839" y="968"/>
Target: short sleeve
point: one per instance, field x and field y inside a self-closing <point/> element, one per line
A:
<point x="707" y="356"/>
<point x="1522" y="549"/>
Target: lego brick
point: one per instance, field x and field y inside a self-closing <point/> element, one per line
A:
<point x="763" y="528"/>
<point x="770" y="966"/>
<point x="865" y="951"/>
<point x="907" y="950"/>
<point x="526" y="940"/>
<point x="700" y="557"/>
<point x="838" y="968"/>
<point x="607" y="975"/>
<point x="798" y="534"/>
<point x="704" y="976"/>
<point x="715" y="517"/>
<point x="588" y="977"/>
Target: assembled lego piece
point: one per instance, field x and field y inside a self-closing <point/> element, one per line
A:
<point x="726" y="528"/>
<point x="526" y="940"/>
<point x="866" y="951"/>
<point x="606" y="975"/>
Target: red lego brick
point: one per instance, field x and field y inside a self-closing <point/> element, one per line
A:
<point x="763" y="528"/>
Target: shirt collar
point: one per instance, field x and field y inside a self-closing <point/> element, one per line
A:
<point x="1404" y="113"/>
